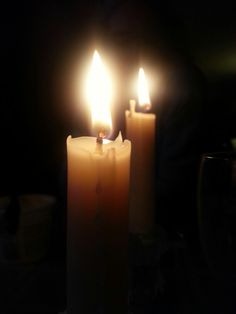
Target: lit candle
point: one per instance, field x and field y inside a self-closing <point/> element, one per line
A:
<point x="98" y="188"/>
<point x="140" y="129"/>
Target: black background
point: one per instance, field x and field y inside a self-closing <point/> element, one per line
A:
<point x="42" y="42"/>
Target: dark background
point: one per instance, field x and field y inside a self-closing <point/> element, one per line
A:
<point x="43" y="42"/>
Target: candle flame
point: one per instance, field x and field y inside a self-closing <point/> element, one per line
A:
<point x="143" y="93"/>
<point x="99" y="94"/>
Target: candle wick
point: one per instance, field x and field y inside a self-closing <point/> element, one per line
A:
<point x="101" y="135"/>
<point x="100" y="140"/>
<point x="147" y="107"/>
<point x="132" y="104"/>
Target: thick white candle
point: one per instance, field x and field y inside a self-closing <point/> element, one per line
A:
<point x="98" y="189"/>
<point x="98" y="186"/>
<point x="140" y="129"/>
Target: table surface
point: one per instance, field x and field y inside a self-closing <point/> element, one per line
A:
<point x="165" y="277"/>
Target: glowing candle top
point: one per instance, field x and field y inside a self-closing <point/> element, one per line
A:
<point x="98" y="91"/>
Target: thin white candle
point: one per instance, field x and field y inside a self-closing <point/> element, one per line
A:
<point x="140" y="129"/>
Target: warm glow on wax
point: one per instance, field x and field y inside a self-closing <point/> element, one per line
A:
<point x="143" y="93"/>
<point x="140" y="130"/>
<point x="98" y="90"/>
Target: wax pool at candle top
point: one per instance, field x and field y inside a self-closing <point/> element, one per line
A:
<point x="87" y="145"/>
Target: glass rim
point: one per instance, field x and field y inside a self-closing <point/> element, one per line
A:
<point x="219" y="155"/>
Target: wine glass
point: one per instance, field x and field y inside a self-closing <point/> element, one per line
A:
<point x="217" y="213"/>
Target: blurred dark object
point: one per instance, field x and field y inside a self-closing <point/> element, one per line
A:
<point x="26" y="227"/>
<point x="12" y="214"/>
<point x="146" y="282"/>
<point x="32" y="259"/>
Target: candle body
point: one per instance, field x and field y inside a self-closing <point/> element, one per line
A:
<point x="140" y="129"/>
<point x="98" y="186"/>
